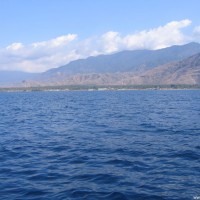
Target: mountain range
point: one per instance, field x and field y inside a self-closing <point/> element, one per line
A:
<point x="172" y="65"/>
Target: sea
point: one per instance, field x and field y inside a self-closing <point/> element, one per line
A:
<point x="109" y="145"/>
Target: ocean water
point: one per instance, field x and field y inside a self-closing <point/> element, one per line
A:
<point x="100" y="145"/>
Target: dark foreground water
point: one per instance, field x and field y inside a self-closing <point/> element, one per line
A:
<point x="100" y="145"/>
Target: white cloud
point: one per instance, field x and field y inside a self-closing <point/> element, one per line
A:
<point x="41" y="56"/>
<point x="160" y="37"/>
<point x="111" y="41"/>
<point x="196" y="33"/>
<point x="197" y="30"/>
<point x="15" y="46"/>
<point x="56" y="42"/>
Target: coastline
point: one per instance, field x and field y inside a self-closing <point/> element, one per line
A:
<point x="99" y="88"/>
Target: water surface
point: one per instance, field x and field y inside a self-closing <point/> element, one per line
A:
<point x="100" y="145"/>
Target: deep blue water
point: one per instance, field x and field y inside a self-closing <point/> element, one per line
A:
<point x="100" y="145"/>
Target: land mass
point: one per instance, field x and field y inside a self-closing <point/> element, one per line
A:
<point x="176" y="65"/>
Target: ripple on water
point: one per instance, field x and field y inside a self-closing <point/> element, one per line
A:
<point x="100" y="145"/>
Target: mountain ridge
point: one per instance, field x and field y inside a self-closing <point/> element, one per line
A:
<point x="122" y="68"/>
<point x="186" y="71"/>
<point x="129" y="60"/>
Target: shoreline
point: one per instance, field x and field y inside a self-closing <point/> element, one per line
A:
<point x="99" y="88"/>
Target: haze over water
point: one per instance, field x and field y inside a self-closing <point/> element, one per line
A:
<point x="100" y="145"/>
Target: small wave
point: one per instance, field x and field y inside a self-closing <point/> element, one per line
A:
<point x="187" y="154"/>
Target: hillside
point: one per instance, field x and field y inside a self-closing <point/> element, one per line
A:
<point x="172" y="65"/>
<point x="130" y="67"/>
<point x="135" y="61"/>
<point x="186" y="71"/>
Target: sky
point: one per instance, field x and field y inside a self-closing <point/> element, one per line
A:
<point x="36" y="35"/>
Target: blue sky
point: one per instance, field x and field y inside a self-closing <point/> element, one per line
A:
<point x="39" y="34"/>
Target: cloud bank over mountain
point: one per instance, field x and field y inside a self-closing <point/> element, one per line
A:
<point x="43" y="55"/>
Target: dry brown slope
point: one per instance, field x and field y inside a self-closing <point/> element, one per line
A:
<point x="183" y="72"/>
